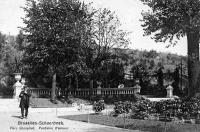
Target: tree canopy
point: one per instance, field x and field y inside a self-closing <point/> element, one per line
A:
<point x="171" y="20"/>
<point x="54" y="29"/>
<point x="106" y="35"/>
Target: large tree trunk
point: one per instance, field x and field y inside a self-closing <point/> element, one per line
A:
<point x="76" y="78"/>
<point x="91" y="84"/>
<point x="193" y="61"/>
<point x="69" y="86"/>
<point x="53" y="90"/>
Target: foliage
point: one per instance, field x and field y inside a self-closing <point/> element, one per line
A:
<point x="54" y="101"/>
<point x="182" y="108"/>
<point x="54" y="29"/>
<point x="10" y="60"/>
<point x="71" y="41"/>
<point x="99" y="106"/>
<point x="116" y="74"/>
<point x="171" y="20"/>
<point x="179" y="108"/>
<point x="143" y="109"/>
<point x="75" y="51"/>
<point x="111" y="73"/>
<point x="143" y="71"/>
<point x="10" y="56"/>
<point x="134" y="124"/>
<point x="55" y="32"/>
<point x="106" y="35"/>
<point x="6" y="91"/>
<point x="122" y="107"/>
<point x="107" y="31"/>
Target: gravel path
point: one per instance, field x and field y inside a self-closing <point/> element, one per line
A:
<point x="46" y="120"/>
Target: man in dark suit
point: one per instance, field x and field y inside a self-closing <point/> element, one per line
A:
<point x="24" y="102"/>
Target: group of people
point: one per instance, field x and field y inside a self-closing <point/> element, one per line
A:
<point x="24" y="101"/>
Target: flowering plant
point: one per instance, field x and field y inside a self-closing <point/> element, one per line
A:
<point x="145" y="109"/>
<point x="122" y="107"/>
<point x="99" y="106"/>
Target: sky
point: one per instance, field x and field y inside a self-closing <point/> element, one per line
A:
<point x="128" y="11"/>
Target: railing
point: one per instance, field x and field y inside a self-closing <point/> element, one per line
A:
<point x="103" y="91"/>
<point x="38" y="92"/>
<point x="85" y="92"/>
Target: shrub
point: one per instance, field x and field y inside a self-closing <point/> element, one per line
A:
<point x="119" y="108"/>
<point x="69" y="101"/>
<point x="181" y="108"/>
<point x="54" y="101"/>
<point x="6" y="91"/>
<point x="44" y="96"/>
<point x="145" y="109"/>
<point x="122" y="107"/>
<point x="99" y="106"/>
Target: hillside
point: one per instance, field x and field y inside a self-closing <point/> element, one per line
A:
<point x="152" y="59"/>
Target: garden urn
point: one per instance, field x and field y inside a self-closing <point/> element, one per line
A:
<point x="169" y="91"/>
<point x="137" y="88"/>
<point x="99" y="88"/>
<point x="17" y="86"/>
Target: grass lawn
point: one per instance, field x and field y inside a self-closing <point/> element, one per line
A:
<point x="135" y="124"/>
<point x="46" y="103"/>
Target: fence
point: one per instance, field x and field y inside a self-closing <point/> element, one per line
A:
<point x="38" y="92"/>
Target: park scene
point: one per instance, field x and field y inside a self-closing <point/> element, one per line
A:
<point x="92" y="66"/>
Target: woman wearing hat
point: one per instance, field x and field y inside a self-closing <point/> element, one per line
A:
<point x="24" y="102"/>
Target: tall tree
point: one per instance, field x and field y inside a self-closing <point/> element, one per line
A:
<point x="107" y="31"/>
<point x="106" y="35"/>
<point x="10" y="59"/>
<point x="2" y="39"/>
<point x="171" y="20"/>
<point x="20" y="40"/>
<point x="54" y="29"/>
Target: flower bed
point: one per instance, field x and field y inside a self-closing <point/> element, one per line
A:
<point x="167" y="110"/>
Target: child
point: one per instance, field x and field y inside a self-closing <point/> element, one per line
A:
<point x="24" y="102"/>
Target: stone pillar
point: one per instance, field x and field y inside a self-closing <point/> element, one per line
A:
<point x="99" y="88"/>
<point x="169" y="91"/>
<point x="17" y="86"/>
<point x="137" y="87"/>
<point x="91" y="84"/>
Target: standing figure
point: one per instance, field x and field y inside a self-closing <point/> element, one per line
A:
<point x="24" y="102"/>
